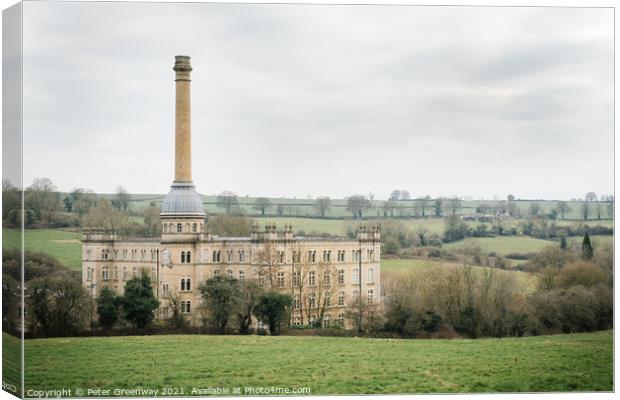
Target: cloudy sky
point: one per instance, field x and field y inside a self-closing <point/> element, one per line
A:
<point x="297" y="100"/>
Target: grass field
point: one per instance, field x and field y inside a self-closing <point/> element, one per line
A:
<point x="503" y="244"/>
<point x="11" y="361"/>
<point x="64" y="246"/>
<point x="596" y="240"/>
<point x="391" y="268"/>
<point x="327" y="365"/>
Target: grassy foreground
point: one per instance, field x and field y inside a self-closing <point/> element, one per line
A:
<point x="327" y="365"/>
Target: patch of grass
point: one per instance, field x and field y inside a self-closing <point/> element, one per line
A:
<point x="62" y="245"/>
<point x="504" y="244"/>
<point x="596" y="240"/>
<point x="11" y="360"/>
<point x="392" y="268"/>
<point x="327" y="365"/>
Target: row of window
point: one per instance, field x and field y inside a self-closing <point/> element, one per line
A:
<point x="326" y="319"/>
<point x="125" y="273"/>
<point x="216" y="256"/>
<point x="124" y="254"/>
<point x="327" y="302"/>
<point x="180" y="228"/>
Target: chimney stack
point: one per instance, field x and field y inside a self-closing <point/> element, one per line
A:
<point x="183" y="130"/>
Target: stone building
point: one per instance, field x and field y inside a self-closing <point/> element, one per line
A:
<point x="325" y="276"/>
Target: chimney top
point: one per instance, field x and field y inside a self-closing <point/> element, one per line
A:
<point x="181" y="64"/>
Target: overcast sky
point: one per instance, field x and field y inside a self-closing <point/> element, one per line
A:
<point x="322" y="100"/>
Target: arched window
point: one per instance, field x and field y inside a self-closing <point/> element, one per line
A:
<point x="195" y="228"/>
<point x="179" y="228"/>
<point x="188" y="257"/>
<point x="166" y="289"/>
<point x="105" y="273"/>
<point x="186" y="285"/>
<point x="182" y="257"/>
<point x="229" y="272"/>
<point x="214" y="256"/>
<point x="187" y="227"/>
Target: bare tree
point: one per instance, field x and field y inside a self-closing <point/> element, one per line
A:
<point x="453" y="204"/>
<point x="261" y="204"/>
<point x="563" y="208"/>
<point x="228" y="201"/>
<point x="322" y="205"/>
<point x="121" y="199"/>
<point x="356" y="204"/>
<point x="424" y="202"/>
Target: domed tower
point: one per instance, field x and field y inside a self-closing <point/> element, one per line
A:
<point x="182" y="214"/>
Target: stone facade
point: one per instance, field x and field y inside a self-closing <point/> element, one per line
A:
<point x="324" y="276"/>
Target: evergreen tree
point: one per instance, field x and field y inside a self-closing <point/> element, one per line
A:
<point x="587" y="252"/>
<point x="274" y="309"/>
<point x="139" y="302"/>
<point x="107" y="308"/>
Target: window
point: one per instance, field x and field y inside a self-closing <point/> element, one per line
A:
<point x="326" y="319"/>
<point x="165" y="228"/>
<point x="281" y="280"/>
<point x="355" y="278"/>
<point x="89" y="274"/>
<point x="341" y="298"/>
<point x="327" y="297"/>
<point x="115" y="272"/>
<point x="165" y="289"/>
<point x="296" y="278"/>
<point x="195" y="228"/>
<point x="355" y="295"/>
<point x="371" y="294"/>
<point x="105" y="273"/>
<point x="312" y="256"/>
<point x="241" y="256"/>
<point x="229" y="272"/>
<point x="125" y="254"/>
<point x="296" y="256"/>
<point x="371" y="275"/>
<point x="179" y="228"/>
<point x="125" y="274"/>
<point x="216" y="272"/>
<point x="312" y="300"/>
<point x="142" y="255"/>
<point x="241" y="275"/>
<point x="312" y="278"/>
<point x="341" y="255"/>
<point x="354" y="255"/>
<point x="341" y="276"/>
<point x="341" y="319"/>
<point x="296" y="302"/>
<point x="216" y="256"/>
<point x="186" y="227"/>
<point x="188" y="257"/>
<point x="182" y="257"/>
<point x="327" y="278"/>
<point x="297" y="320"/>
<point x="281" y="257"/>
<point x="186" y="285"/>
<point x="104" y="254"/>
<point x="186" y="307"/>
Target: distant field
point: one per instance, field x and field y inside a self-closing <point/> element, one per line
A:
<point x="392" y="268"/>
<point x="64" y="246"/>
<point x="503" y="244"/>
<point x="596" y="240"/>
<point x="326" y="365"/>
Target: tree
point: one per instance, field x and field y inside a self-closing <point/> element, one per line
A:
<point x="104" y="215"/>
<point x="454" y="229"/>
<point x="510" y="197"/>
<point x="56" y="304"/>
<point x="229" y="225"/>
<point x="453" y="204"/>
<point x="587" y="252"/>
<point x="139" y="302"/>
<point x="152" y="221"/>
<point x="535" y="209"/>
<point x="274" y="309"/>
<point x="388" y="208"/>
<point x="280" y="209"/>
<point x="121" y="199"/>
<point x="404" y="195"/>
<point x="599" y="210"/>
<point x="220" y="295"/>
<point x="108" y="308"/>
<point x="563" y="208"/>
<point x="585" y="209"/>
<point x="228" y="201"/>
<point x="250" y="292"/>
<point x="11" y="204"/>
<point x="262" y="204"/>
<point x="41" y="199"/>
<point x="356" y="204"/>
<point x="395" y="195"/>
<point x="424" y="203"/>
<point x="173" y="312"/>
<point x="438" y="207"/>
<point x="591" y="196"/>
<point x="322" y="205"/>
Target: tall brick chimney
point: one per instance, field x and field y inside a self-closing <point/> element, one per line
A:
<point x="183" y="128"/>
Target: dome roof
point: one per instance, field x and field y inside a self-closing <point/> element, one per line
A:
<point x="182" y="200"/>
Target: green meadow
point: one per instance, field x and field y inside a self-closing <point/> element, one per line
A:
<point x="62" y="245"/>
<point x="326" y="365"/>
<point x="503" y="244"/>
